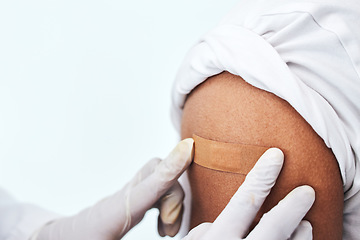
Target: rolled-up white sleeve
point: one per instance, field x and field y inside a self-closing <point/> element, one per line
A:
<point x="305" y="52"/>
<point x="18" y="221"/>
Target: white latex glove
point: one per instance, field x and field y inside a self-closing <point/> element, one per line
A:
<point x="282" y="222"/>
<point x="155" y="185"/>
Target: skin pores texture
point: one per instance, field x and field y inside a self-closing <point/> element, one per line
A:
<point x="225" y="108"/>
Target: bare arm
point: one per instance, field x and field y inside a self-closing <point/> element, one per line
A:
<point x="226" y="108"/>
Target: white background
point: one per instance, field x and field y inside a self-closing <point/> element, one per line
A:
<point x="85" y="94"/>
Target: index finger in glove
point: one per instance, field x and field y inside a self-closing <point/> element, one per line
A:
<point x="281" y="221"/>
<point x="303" y="231"/>
<point x="165" y="173"/>
<point x="238" y="215"/>
<point x="171" y="168"/>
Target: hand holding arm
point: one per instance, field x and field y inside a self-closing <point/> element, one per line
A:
<point x="155" y="185"/>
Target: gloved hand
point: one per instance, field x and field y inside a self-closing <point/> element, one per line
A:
<point x="155" y="185"/>
<point x="282" y="222"/>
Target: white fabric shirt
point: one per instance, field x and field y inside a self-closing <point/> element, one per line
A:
<point x="304" y="51"/>
<point x="18" y="221"/>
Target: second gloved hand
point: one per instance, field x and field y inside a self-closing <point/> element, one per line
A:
<point x="283" y="222"/>
<point x="155" y="185"/>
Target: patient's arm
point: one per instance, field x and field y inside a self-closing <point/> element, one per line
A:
<point x="226" y="108"/>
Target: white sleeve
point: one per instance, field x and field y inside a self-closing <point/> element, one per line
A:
<point x="18" y="221"/>
<point x="305" y="52"/>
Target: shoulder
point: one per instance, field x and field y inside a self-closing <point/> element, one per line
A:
<point x="226" y="108"/>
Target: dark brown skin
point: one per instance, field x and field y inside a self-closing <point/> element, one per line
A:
<point x="226" y="108"/>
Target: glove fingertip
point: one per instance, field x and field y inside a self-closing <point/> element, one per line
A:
<point x="168" y="229"/>
<point x="304" y="193"/>
<point x="305" y="224"/>
<point x="269" y="164"/>
<point x="187" y="146"/>
<point x="274" y="154"/>
<point x="303" y="231"/>
<point x="179" y="159"/>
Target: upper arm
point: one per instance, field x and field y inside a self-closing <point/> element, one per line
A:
<point x="226" y="108"/>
